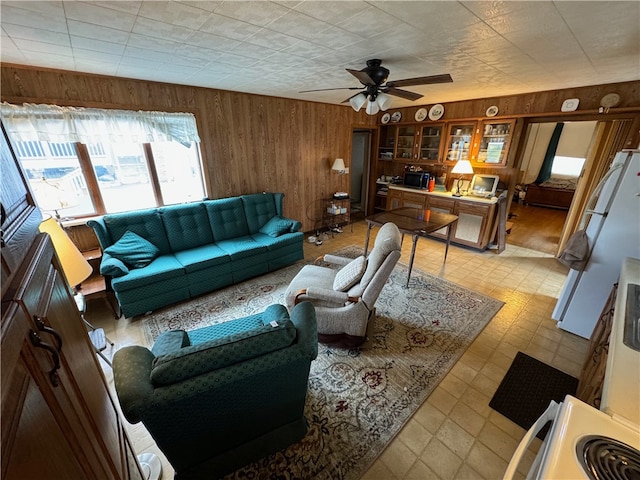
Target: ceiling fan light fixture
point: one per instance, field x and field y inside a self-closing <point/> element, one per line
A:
<point x="384" y="101"/>
<point x="357" y="101"/>
<point x="372" y="107"/>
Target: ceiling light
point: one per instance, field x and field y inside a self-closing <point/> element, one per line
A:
<point x="384" y="101"/>
<point x="372" y="107"/>
<point x="357" y="101"/>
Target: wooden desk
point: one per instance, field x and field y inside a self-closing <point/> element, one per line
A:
<point x="416" y="222"/>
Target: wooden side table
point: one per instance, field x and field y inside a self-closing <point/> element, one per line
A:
<point x="95" y="286"/>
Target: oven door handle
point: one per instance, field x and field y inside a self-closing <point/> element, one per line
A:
<point x="548" y="416"/>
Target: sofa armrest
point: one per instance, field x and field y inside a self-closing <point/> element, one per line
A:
<point x="131" y="374"/>
<point x="336" y="260"/>
<point x="303" y="317"/>
<point x="324" y="294"/>
<point x="100" y="229"/>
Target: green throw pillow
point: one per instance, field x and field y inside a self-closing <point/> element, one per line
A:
<point x="276" y="226"/>
<point x="113" y="267"/>
<point x="133" y="250"/>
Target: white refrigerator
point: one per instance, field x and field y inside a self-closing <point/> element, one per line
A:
<point x="613" y="231"/>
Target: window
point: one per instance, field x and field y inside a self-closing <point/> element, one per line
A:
<point x="567" y="166"/>
<point x="121" y="174"/>
<point x="105" y="161"/>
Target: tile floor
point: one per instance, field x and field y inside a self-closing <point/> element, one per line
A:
<point x="454" y="434"/>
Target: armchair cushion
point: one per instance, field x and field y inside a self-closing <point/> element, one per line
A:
<point x="133" y="250"/>
<point x="276" y="226"/>
<point x="195" y="360"/>
<point x="350" y="274"/>
<point x="112" y="266"/>
<point x="170" y="342"/>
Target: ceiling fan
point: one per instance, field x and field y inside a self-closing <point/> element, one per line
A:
<point x="376" y="93"/>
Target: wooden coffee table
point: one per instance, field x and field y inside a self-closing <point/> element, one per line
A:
<point x="416" y="222"/>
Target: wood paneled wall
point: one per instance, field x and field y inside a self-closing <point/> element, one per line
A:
<point x="249" y="143"/>
<point x="252" y="143"/>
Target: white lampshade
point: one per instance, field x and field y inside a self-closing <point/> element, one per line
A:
<point x="384" y="101"/>
<point x="338" y="165"/>
<point x="372" y="107"/>
<point x="357" y="101"/>
<point x="76" y="269"/>
<point x="462" y="167"/>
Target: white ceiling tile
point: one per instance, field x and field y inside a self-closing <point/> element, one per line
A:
<point x="155" y="29"/>
<point x="202" y="4"/>
<point x="272" y="39"/>
<point x="97" y="32"/>
<point x="211" y="41"/>
<point x="11" y="14"/>
<point x="99" y="67"/>
<point x="96" y="45"/>
<point x="36" y="34"/>
<point x="229" y="27"/>
<point x="31" y="46"/>
<point x="260" y="13"/>
<point x="175" y="13"/>
<point x="330" y="11"/>
<point x="193" y="52"/>
<point x="370" y="22"/>
<point x="91" y="56"/>
<point x="151" y="43"/>
<point x="252" y="51"/>
<point x="106" y="17"/>
<point x="129" y="6"/>
<point x="298" y="25"/>
<point x="50" y="60"/>
<point x="158" y="57"/>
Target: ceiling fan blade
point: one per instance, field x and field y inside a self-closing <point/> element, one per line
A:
<point x="403" y="93"/>
<point x="327" y="89"/>
<point x="407" y="82"/>
<point x="362" y="77"/>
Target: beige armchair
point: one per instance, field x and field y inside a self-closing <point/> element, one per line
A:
<point x="345" y="299"/>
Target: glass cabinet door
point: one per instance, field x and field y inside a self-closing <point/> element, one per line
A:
<point x="405" y="142"/>
<point x="459" y="142"/>
<point x="430" y="143"/>
<point x="387" y="143"/>
<point x="494" y="142"/>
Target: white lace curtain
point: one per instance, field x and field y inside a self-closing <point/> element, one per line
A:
<point x="50" y="123"/>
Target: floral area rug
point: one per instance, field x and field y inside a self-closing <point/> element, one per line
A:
<point x="358" y="399"/>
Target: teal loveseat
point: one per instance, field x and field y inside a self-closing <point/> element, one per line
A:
<point x="220" y="397"/>
<point x="156" y="257"/>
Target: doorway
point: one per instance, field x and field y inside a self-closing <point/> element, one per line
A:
<point x="599" y="146"/>
<point x="359" y="172"/>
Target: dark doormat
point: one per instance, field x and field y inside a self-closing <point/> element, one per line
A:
<point x="528" y="387"/>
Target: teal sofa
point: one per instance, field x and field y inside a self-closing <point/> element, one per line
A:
<point x="220" y="397"/>
<point x="156" y="257"/>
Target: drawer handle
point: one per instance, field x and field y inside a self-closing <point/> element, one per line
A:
<point x="43" y="328"/>
<point x="38" y="343"/>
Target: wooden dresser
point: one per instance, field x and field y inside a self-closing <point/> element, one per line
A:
<point x="58" y="419"/>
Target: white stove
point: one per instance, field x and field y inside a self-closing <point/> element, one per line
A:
<point x="584" y="442"/>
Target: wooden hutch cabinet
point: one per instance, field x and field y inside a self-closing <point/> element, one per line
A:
<point x="59" y="420"/>
<point x="484" y="143"/>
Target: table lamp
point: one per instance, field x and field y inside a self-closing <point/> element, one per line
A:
<point x="76" y="269"/>
<point x="462" y="167"/>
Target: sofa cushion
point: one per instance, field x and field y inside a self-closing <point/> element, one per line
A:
<point x="205" y="256"/>
<point x="146" y="223"/>
<point x="350" y="274"/>
<point x="276" y="226"/>
<point x="227" y="218"/>
<point x="259" y="208"/>
<point x="112" y="267"/>
<point x="133" y="250"/>
<point x="187" y="226"/>
<point x="275" y="243"/>
<point x="170" y="342"/>
<point x="241" y="247"/>
<point x="212" y="355"/>
<point x="162" y="268"/>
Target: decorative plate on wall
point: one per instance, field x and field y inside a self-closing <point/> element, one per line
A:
<point x="421" y="114"/>
<point x="610" y="100"/>
<point x="570" y="105"/>
<point x="396" y="116"/>
<point x="436" y="112"/>
<point x="492" y="111"/>
<point x="385" y="118"/>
